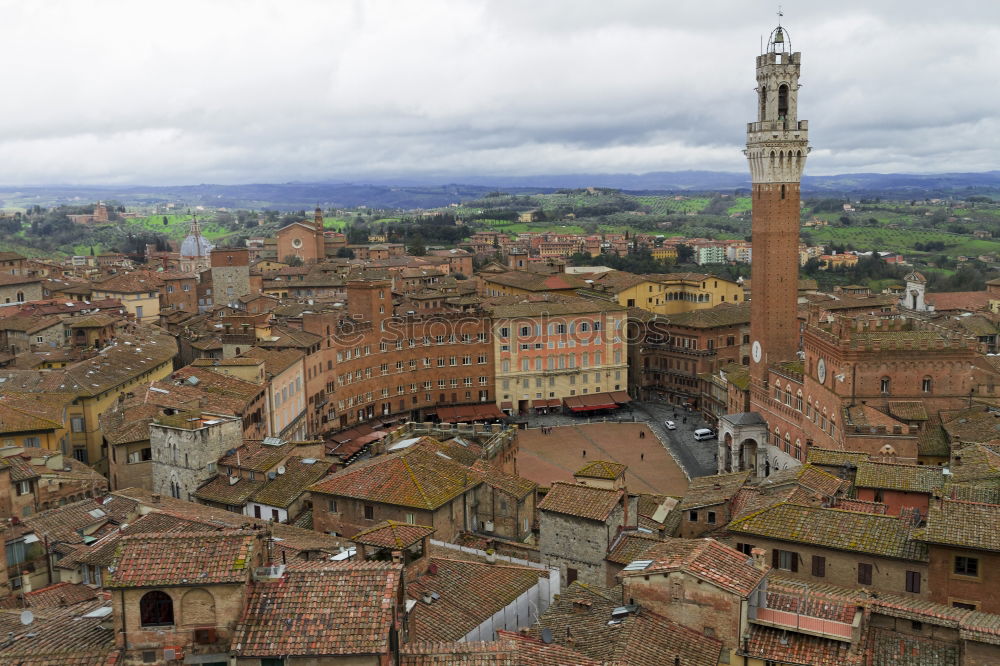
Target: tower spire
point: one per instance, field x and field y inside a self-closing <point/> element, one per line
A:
<point x="777" y="145"/>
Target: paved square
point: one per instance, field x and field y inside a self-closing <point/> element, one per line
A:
<point x="554" y="457"/>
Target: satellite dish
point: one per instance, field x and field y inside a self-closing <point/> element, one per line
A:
<point x="281" y="470"/>
<point x="27" y="617"/>
<point x="546" y="635"/>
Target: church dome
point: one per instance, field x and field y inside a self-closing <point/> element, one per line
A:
<point x="195" y="246"/>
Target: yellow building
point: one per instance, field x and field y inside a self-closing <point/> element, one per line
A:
<point x="665" y="252"/>
<point x="561" y="348"/>
<point x="37" y="419"/>
<point x="139" y="292"/>
<point x="94" y="385"/>
<point x="664" y="293"/>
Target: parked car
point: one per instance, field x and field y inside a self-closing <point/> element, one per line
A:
<point x="670" y="425"/>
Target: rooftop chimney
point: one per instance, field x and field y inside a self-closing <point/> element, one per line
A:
<point x="758" y="558"/>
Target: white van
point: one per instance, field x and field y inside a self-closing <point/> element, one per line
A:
<point x="703" y="433"/>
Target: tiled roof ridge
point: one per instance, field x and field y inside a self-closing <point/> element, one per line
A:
<point x="967" y="501"/>
<point x="499" y="564"/>
<point x="416" y="483"/>
<point x="150" y="536"/>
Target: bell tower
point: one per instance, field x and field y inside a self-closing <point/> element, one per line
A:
<point x="777" y="145"/>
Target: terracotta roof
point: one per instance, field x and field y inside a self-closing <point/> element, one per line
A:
<point x="516" y="486"/>
<point x="470" y="593"/>
<point x="958" y="300"/>
<point x="255" y="455"/>
<point x="275" y="361"/>
<point x="284" y="489"/>
<point x="28" y="323"/>
<point x="786" y="647"/>
<point x="601" y="469"/>
<point x="963" y="524"/>
<point x="58" y="636"/>
<point x="510" y="307"/>
<point x="510" y="650"/>
<point x="933" y="441"/>
<point x="866" y="415"/>
<point x="51" y="596"/>
<point x="975" y="462"/>
<point x="220" y="491"/>
<point x="345" y="609"/>
<point x="712" y="490"/>
<point x="885" y="536"/>
<point x="536" y="281"/>
<point x="414" y="477"/>
<point x="190" y="558"/>
<point x="724" y="314"/>
<point x="581" y="501"/>
<point x="706" y="559"/>
<point x="973" y="425"/>
<point x="835" y="457"/>
<point x="640" y="639"/>
<point x="629" y="546"/>
<point x="68" y="523"/>
<point x="895" y="476"/>
<point x="807" y="476"/>
<point x="393" y="534"/>
<point x="130" y="283"/>
<point x="908" y="410"/>
<point x="893" y="648"/>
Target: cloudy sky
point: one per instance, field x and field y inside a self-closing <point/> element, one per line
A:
<point x="235" y="91"/>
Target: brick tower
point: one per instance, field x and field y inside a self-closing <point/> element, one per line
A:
<point x="777" y="145"/>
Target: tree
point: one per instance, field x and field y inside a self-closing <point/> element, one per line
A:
<point x="165" y="221"/>
<point x="293" y="260"/>
<point x="417" y="248"/>
<point x="345" y="253"/>
<point x="685" y="253"/>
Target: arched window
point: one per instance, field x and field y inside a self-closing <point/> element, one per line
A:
<point x="156" y="609"/>
<point x="782" y="100"/>
<point x="20" y="297"/>
<point x="884" y="385"/>
<point x="926" y="385"/>
<point x="763" y="102"/>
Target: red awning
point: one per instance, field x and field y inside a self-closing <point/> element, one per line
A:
<point x="466" y="413"/>
<point x="488" y="411"/>
<point x="506" y="405"/>
<point x="555" y="402"/>
<point x="539" y="403"/>
<point x="621" y="397"/>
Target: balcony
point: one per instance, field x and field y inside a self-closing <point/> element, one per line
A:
<point x="803" y="624"/>
<point x="784" y="606"/>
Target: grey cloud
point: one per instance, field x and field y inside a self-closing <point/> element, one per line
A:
<point x="232" y="91"/>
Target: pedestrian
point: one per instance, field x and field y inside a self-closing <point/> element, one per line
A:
<point x="642" y="456"/>
<point x="585" y="453"/>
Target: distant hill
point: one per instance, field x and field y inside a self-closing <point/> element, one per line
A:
<point x="426" y="192"/>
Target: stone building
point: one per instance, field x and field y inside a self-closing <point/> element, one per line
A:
<point x="577" y="527"/>
<point x="683" y="580"/>
<point x="185" y="448"/>
<point x="411" y="484"/>
<point x="878" y="552"/>
<point x="230" y="273"/>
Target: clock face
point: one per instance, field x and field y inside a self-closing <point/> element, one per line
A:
<point x="756" y="351"/>
<point x="821" y="370"/>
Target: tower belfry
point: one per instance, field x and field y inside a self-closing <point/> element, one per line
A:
<point x="777" y="145"/>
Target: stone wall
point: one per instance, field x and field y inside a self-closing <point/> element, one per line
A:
<point x="187" y="457"/>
